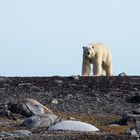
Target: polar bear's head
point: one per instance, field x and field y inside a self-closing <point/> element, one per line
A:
<point x="89" y="51"/>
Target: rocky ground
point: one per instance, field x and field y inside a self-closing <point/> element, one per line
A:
<point x="101" y="101"/>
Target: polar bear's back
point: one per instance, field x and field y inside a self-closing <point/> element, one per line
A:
<point x="104" y="51"/>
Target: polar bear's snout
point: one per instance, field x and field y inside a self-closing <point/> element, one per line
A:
<point x="88" y="53"/>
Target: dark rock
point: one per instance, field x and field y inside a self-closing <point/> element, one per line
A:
<point x="3" y="107"/>
<point x="131" y="119"/>
<point x="4" y="112"/>
<point x="134" y="99"/>
<point x="124" y="120"/>
<point x="123" y="74"/>
<point x="136" y="111"/>
<point x="20" y="108"/>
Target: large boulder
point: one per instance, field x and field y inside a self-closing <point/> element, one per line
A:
<point x="28" y="108"/>
<point x="70" y="125"/>
<point x="46" y="120"/>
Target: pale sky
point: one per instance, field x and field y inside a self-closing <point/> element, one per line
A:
<point x="45" y="37"/>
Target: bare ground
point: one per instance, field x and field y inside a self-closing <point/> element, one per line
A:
<point x="96" y="100"/>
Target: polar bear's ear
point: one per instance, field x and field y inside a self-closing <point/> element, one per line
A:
<point x="84" y="47"/>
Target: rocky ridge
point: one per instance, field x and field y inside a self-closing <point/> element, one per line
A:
<point x="110" y="103"/>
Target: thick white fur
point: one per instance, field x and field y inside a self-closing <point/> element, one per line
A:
<point x="100" y="56"/>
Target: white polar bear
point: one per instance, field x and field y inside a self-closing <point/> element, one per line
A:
<point x="100" y="56"/>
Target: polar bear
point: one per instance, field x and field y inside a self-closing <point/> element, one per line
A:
<point x="100" y="56"/>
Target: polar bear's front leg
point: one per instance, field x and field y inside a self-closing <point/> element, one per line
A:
<point x="86" y="68"/>
<point x="97" y="69"/>
<point x="109" y="70"/>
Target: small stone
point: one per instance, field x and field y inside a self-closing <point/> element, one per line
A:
<point x="22" y="132"/>
<point x="134" y="133"/>
<point x="72" y="118"/>
<point x="112" y="125"/>
<point x="123" y="120"/>
<point x="123" y="74"/>
<point x="25" y="84"/>
<point x="59" y="81"/>
<point x="69" y="96"/>
<point x="1" y="135"/>
<point x="75" y="77"/>
<point x="2" y="78"/>
<point x="54" y="101"/>
<point x="136" y="111"/>
<point x="4" y="110"/>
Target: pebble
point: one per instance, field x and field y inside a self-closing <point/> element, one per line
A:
<point x="54" y="101"/>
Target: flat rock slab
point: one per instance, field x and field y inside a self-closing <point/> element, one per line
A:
<point x="36" y="108"/>
<point x="69" y="125"/>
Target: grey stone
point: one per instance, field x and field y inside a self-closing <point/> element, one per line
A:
<point x="2" y="78"/>
<point x="25" y="84"/>
<point x="36" y="108"/>
<point x="6" y="134"/>
<point x="123" y="74"/>
<point x="41" y="121"/>
<point x="134" y="133"/>
<point x="75" y="77"/>
<point x="22" y="132"/>
<point x="59" y="82"/>
<point x="54" y="101"/>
